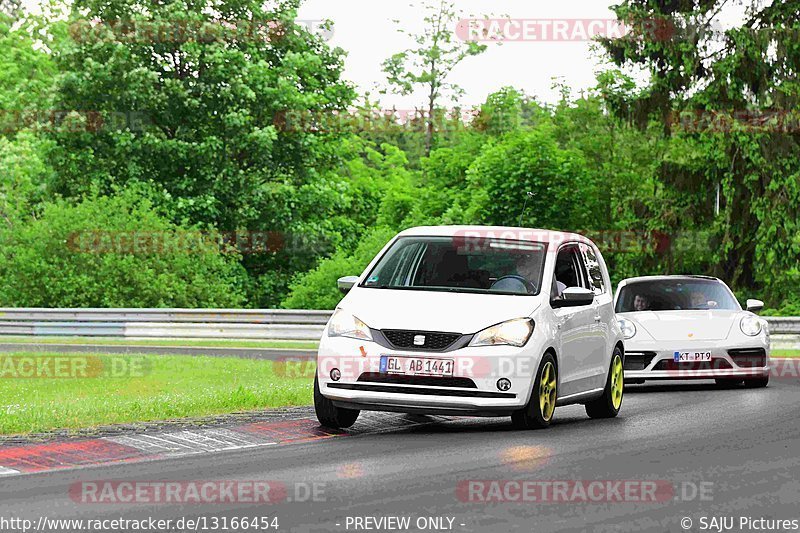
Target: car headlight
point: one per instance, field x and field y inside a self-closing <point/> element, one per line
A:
<point x="514" y="332"/>
<point x="628" y="328"/>
<point x="343" y="324"/>
<point x="750" y="325"/>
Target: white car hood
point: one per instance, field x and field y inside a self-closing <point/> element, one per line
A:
<point x="685" y="325"/>
<point x="434" y="310"/>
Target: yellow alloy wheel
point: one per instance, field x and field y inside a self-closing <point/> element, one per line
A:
<point x="617" y="382"/>
<point x="547" y="391"/>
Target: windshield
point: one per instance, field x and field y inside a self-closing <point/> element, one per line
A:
<point x="673" y="295"/>
<point x="445" y="264"/>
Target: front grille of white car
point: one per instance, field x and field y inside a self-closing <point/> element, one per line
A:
<point x="420" y="340"/>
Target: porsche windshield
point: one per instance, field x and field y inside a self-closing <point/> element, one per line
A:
<point x="447" y="264"/>
<point x="674" y="295"/>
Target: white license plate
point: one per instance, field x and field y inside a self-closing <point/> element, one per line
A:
<point x="416" y="366"/>
<point x="692" y="356"/>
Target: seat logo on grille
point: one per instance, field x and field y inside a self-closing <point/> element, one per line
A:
<point x="419" y="340"/>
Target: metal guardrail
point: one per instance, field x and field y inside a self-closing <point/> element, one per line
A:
<point x="202" y="323"/>
<point x="783" y="325"/>
<point x="257" y="316"/>
<point x="165" y="323"/>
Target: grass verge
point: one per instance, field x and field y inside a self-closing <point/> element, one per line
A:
<point x="202" y="343"/>
<point x="785" y="353"/>
<point x="121" y="389"/>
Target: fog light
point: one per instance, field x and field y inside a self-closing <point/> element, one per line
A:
<point x="503" y="384"/>
<point x="336" y="375"/>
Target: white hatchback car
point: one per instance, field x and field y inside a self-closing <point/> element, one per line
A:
<point x="474" y="320"/>
<point x="691" y="327"/>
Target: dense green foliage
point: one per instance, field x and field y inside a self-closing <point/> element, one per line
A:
<point x="188" y="135"/>
<point x="136" y="259"/>
<point x="26" y="70"/>
<point x="748" y="73"/>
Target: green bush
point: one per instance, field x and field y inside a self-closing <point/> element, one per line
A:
<point x="113" y="252"/>
<point x="565" y="196"/>
<point x="23" y="171"/>
<point x="317" y="289"/>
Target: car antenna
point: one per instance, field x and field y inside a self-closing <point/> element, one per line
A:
<point x="524" y="205"/>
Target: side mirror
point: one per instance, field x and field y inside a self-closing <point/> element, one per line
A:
<point x="755" y="305"/>
<point x="573" y="297"/>
<point x="346" y="283"/>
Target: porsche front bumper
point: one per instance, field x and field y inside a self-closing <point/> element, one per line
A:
<point x="656" y="359"/>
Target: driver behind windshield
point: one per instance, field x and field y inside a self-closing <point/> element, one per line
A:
<point x="641" y="303"/>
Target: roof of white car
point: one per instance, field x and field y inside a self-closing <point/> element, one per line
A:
<point x="665" y="278"/>
<point x="496" y="232"/>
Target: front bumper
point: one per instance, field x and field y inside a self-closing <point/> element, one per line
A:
<point x="655" y="359"/>
<point x="472" y="390"/>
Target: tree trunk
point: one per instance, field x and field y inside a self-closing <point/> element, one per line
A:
<point x="429" y="125"/>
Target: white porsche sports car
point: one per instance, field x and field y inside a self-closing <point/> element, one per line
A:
<point x="691" y="327"/>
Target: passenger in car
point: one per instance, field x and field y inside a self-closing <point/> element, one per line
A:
<point x="700" y="301"/>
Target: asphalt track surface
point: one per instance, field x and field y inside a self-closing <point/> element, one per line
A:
<point x="726" y="452"/>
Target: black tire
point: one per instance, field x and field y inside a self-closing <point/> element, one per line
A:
<point x="329" y="415"/>
<point x="728" y="383"/>
<point x="531" y="416"/>
<point x="756" y="383"/>
<point x="606" y="406"/>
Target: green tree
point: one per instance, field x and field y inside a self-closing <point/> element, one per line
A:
<point x="197" y="113"/>
<point x="10" y="8"/>
<point x="191" y="98"/>
<point x="723" y="98"/>
<point x="428" y="64"/>
<point x="522" y="161"/>
<point x="27" y="71"/>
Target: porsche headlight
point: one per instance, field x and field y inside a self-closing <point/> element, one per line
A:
<point x="512" y="333"/>
<point x="750" y="325"/>
<point x="628" y="328"/>
<point x="343" y="324"/>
